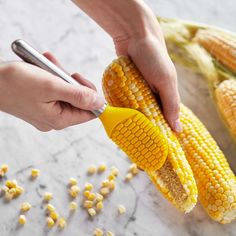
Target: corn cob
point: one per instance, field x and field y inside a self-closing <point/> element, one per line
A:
<point x="175" y="179"/>
<point x="211" y="51"/>
<point x="215" y="181"/>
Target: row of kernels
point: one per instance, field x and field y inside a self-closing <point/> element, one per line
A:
<point x="11" y="190"/>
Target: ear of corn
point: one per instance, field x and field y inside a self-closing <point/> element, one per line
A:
<point x="211" y="51"/>
<point x="215" y="180"/>
<point x="175" y="179"/>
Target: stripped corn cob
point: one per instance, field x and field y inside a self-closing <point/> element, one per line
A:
<point x="123" y="86"/>
<point x="226" y="101"/>
<point x="215" y="180"/>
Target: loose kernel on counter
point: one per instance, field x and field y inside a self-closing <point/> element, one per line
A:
<point x="109" y="233"/>
<point x="19" y="191"/>
<point x="21" y="220"/>
<point x="74" y="191"/>
<point x="4" y="168"/>
<point x="25" y="206"/>
<point x="92" y="170"/>
<point x="73" y="206"/>
<point x="92" y="212"/>
<point x="133" y="169"/>
<point x="8" y="196"/>
<point x="111" y="177"/>
<point x="128" y="177"/>
<point x="50" y="222"/>
<point x="86" y="193"/>
<point x="47" y="196"/>
<point x="35" y="173"/>
<point x="105" y="183"/>
<point x="88" y="186"/>
<point x="50" y="208"/>
<point x="114" y="171"/>
<point x="54" y="215"/>
<point x="99" y="205"/>
<point x="99" y="197"/>
<point x="98" y="232"/>
<point x="91" y="196"/>
<point x="102" y="167"/>
<point x="104" y="191"/>
<point x="11" y="183"/>
<point x="121" y="209"/>
<point x="112" y="185"/>
<point x="88" y="204"/>
<point x="73" y="181"/>
<point x="62" y="223"/>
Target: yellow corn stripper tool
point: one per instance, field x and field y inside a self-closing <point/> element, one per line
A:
<point x="137" y="136"/>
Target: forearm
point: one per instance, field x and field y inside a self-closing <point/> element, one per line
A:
<point x="122" y="19"/>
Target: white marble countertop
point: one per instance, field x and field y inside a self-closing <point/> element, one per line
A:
<point x="60" y="27"/>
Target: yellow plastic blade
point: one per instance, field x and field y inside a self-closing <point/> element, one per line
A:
<point x="143" y="142"/>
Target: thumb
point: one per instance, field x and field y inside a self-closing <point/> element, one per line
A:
<point x="80" y="96"/>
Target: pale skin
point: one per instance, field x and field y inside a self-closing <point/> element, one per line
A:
<point x="47" y="102"/>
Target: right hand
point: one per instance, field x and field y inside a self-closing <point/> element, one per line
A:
<point x="44" y="100"/>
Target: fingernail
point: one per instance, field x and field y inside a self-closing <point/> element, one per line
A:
<point x="178" y="126"/>
<point x="98" y="101"/>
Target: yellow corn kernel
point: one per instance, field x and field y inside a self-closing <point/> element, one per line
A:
<point x="98" y="232"/>
<point x="86" y="193"/>
<point x="22" y="219"/>
<point x="88" y="186"/>
<point x="54" y="215"/>
<point x="74" y="191"/>
<point x="91" y="196"/>
<point x="50" y="222"/>
<point x="99" y="205"/>
<point x="11" y="183"/>
<point x="88" y="204"/>
<point x="105" y="183"/>
<point x="114" y="171"/>
<point x="73" y="206"/>
<point x="112" y="185"/>
<point x="92" y="170"/>
<point x="111" y="177"/>
<point x="73" y="181"/>
<point x="121" y="209"/>
<point x="35" y="173"/>
<point x="92" y="212"/>
<point x="12" y="191"/>
<point x="102" y="167"/>
<point x="47" y="196"/>
<point x="50" y="208"/>
<point x="4" y="168"/>
<point x="19" y="191"/>
<point x="104" y="191"/>
<point x="25" y="206"/>
<point x="62" y="223"/>
<point x="1" y="173"/>
<point x="8" y="196"/>
<point x="109" y="233"/>
<point x="99" y="197"/>
<point x="133" y="169"/>
<point x="128" y="177"/>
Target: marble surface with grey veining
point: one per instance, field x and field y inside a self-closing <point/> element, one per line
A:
<point x="60" y="27"/>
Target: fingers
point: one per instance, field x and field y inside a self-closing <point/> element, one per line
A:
<point x="51" y="58"/>
<point x="83" y="81"/>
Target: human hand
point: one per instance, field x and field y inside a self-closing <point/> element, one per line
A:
<point x="44" y="100"/>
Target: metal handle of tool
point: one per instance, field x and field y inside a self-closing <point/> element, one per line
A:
<point x="28" y="54"/>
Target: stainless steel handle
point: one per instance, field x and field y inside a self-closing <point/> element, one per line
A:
<point x="28" y="54"/>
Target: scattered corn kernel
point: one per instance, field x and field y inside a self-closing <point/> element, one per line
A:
<point x="50" y="208"/>
<point x="91" y="196"/>
<point x="112" y="185"/>
<point x="35" y="173"/>
<point x="54" y="215"/>
<point x="62" y="223"/>
<point x="11" y="183"/>
<point x="99" y="197"/>
<point x="98" y="232"/>
<point x="104" y="191"/>
<point x="4" y="168"/>
<point x="99" y="205"/>
<point x="105" y="183"/>
<point x="92" y="169"/>
<point x="87" y="193"/>
<point x="25" y="206"/>
<point x="111" y="177"/>
<point x="102" y="167"/>
<point x="21" y="220"/>
<point x="133" y="169"/>
<point x="88" y="186"/>
<point x="47" y="196"/>
<point x="128" y="177"/>
<point x="73" y="181"/>
<point x="92" y="212"/>
<point x="109" y="233"/>
<point x="88" y="204"/>
<point x="8" y="196"/>
<point x="50" y="222"/>
<point x="121" y="209"/>
<point x="73" y="206"/>
<point x="19" y="191"/>
<point x="114" y="171"/>
<point x="74" y="191"/>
